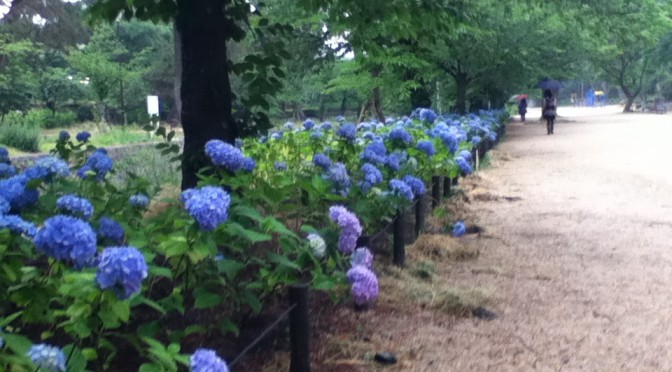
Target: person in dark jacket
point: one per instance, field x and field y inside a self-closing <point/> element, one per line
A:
<point x="522" y="109"/>
<point x="548" y="109"/>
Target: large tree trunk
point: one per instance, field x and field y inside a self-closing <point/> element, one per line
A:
<point x="461" y="84"/>
<point x="377" y="102"/>
<point x="205" y="89"/>
<point x="629" y="100"/>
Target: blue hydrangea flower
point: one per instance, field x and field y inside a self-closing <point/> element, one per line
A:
<point x="316" y="135"/>
<point x="372" y="176"/>
<point x="427" y="115"/>
<point x="67" y="238"/>
<point x="392" y="162"/>
<point x="322" y="161"/>
<point x="249" y="164"/>
<point x="351" y="229"/>
<point x="450" y="140"/>
<point x="362" y="256"/>
<point x="47" y="358"/>
<point x="79" y="207"/>
<point x="338" y="174"/>
<point x="4" y="206"/>
<point x="63" y="136"/>
<point x="340" y="118"/>
<point x="121" y="269"/>
<point x="415" y="184"/>
<point x="16" y="192"/>
<point x="459" y="229"/>
<point x="308" y="124"/>
<point x="288" y="126"/>
<point x="17" y="225"/>
<point x="427" y="147"/>
<point x="466" y="155"/>
<point x="99" y="163"/>
<point x="317" y="245"/>
<point x="206" y="360"/>
<point x="83" y="136"/>
<point x="4" y="155"/>
<point x="347" y="131"/>
<point x="476" y="140"/>
<point x="364" y="284"/>
<point x="400" y="188"/>
<point x="7" y="170"/>
<point x="47" y="168"/>
<point x="139" y="200"/>
<point x="224" y="155"/>
<point x="276" y="135"/>
<point x="401" y="135"/>
<point x="111" y="229"/>
<point x="375" y="153"/>
<point x="326" y="126"/>
<point x="280" y="165"/>
<point x="464" y="165"/>
<point x="209" y="206"/>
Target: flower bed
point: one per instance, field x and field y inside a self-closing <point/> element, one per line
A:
<point x="88" y="281"/>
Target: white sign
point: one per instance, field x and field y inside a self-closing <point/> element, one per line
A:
<point x="153" y="105"/>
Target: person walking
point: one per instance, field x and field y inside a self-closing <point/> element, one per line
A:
<point x="522" y="109"/>
<point x="549" y="105"/>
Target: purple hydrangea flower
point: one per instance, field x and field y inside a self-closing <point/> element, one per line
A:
<point x="348" y="131"/>
<point x="375" y="153"/>
<point x="322" y="161"/>
<point x="17" y="225"/>
<point x="139" y="200"/>
<point x="364" y="284"/>
<point x="63" y="136"/>
<point x="16" y="192"/>
<point x="111" y="229"/>
<point x="99" y="163"/>
<point x="79" y="207"/>
<point x="47" y="358"/>
<point x="338" y="174"/>
<point x="416" y="185"/>
<point x="121" y="269"/>
<point x="7" y="170"/>
<point x="280" y="165"/>
<point x="350" y="228"/>
<point x="249" y="164"/>
<point x="83" y="136"/>
<point x="372" y="177"/>
<point x="465" y="154"/>
<point x="459" y="229"/>
<point x="317" y="245"/>
<point x="400" y="188"/>
<point x="401" y="135"/>
<point x="427" y="147"/>
<point x="67" y="238"/>
<point x="4" y="155"/>
<point x="362" y="256"/>
<point x="206" y="360"/>
<point x="308" y="124"/>
<point x="463" y="164"/>
<point x="209" y="206"/>
<point x="224" y="155"/>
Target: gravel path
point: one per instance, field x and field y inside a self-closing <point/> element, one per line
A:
<point x="582" y="264"/>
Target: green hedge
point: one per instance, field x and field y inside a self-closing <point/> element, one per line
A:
<point x="23" y="137"/>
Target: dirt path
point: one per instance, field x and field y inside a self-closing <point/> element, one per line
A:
<point x="580" y="266"/>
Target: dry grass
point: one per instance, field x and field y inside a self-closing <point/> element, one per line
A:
<point x="437" y="246"/>
<point x="161" y="202"/>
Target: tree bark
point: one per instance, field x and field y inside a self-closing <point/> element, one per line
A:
<point x="461" y="85"/>
<point x="205" y="90"/>
<point x="377" y="102"/>
<point x="344" y="104"/>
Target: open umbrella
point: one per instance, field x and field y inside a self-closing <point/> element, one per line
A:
<point x="550" y="84"/>
<point x="518" y="97"/>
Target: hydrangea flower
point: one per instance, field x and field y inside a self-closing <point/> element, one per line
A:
<point x="17" y="225"/>
<point x="459" y="229"/>
<point x="4" y="206"/>
<point x="16" y="192"/>
<point x="139" y="200"/>
<point x="7" y="170"/>
<point x="111" y="229"/>
<point x="427" y="147"/>
<point x="280" y="165"/>
<point x="322" y="161"/>
<point x="338" y="174"/>
<point x="63" y="136"/>
<point x="308" y="124"/>
<point x="67" y="238"/>
<point x="224" y="155"/>
<point x="206" y="360"/>
<point x="249" y="164"/>
<point x="317" y="245"/>
<point x="348" y="131"/>
<point x="416" y="185"/>
<point x="83" y="136"/>
<point x="47" y="168"/>
<point x="476" y="140"/>
<point x="364" y="284"/>
<point x="450" y="140"/>
<point x="375" y="153"/>
<point x="401" y="135"/>
<point x="121" y="269"/>
<point x="463" y="164"/>
<point x="400" y="188"/>
<point x="4" y="155"/>
<point x="79" y="207"/>
<point x="392" y="162"/>
<point x="47" y="358"/>
<point x="99" y="163"/>
<point x="340" y="118"/>
<point x="276" y="135"/>
<point x="428" y="115"/>
<point x="209" y="206"/>
<point x="465" y="154"/>
<point x="372" y="177"/>
<point x="361" y="256"/>
<point x="288" y="126"/>
<point x="316" y="135"/>
<point x="350" y="228"/>
<point x="326" y="126"/>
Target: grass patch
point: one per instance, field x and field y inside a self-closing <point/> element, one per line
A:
<point x="443" y="247"/>
<point x="147" y="161"/>
<point x="21" y="137"/>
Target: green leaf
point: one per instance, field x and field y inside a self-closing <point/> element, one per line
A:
<point x="227" y="326"/>
<point x="252" y="236"/>
<point x="205" y="299"/>
<point x="77" y="362"/>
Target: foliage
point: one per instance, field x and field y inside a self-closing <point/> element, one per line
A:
<point x="21" y="132"/>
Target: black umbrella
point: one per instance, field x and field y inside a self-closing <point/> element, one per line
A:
<point x="550" y="84"/>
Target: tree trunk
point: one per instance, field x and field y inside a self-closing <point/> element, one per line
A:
<point x="122" y="103"/>
<point x="630" y="99"/>
<point x="205" y="87"/>
<point x="177" y="41"/>
<point x="377" y="105"/>
<point x="461" y="84"/>
<point x="323" y="107"/>
<point x="421" y="97"/>
<point x="344" y="103"/>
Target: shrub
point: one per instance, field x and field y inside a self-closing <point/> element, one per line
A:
<point x="60" y="120"/>
<point x="23" y="137"/>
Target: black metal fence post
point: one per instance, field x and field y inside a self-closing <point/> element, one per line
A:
<point x="446" y="187"/>
<point x="419" y="216"/>
<point x="436" y="191"/>
<point x="299" y="328"/>
<point x="399" y="250"/>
